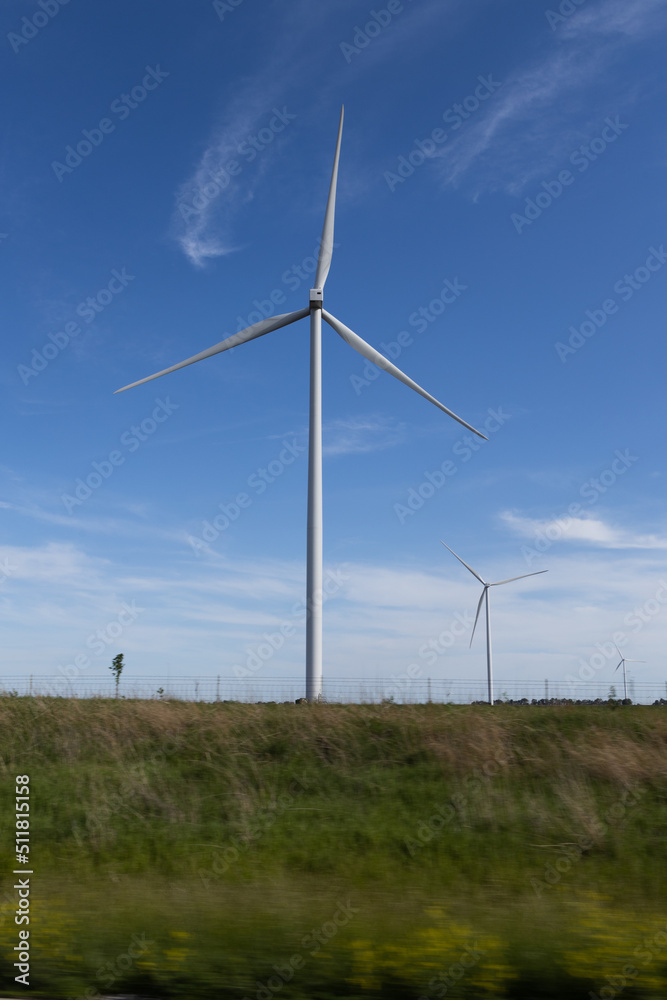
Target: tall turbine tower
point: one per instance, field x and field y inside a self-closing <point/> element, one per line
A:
<point x="485" y="597"/>
<point x="316" y="311"/>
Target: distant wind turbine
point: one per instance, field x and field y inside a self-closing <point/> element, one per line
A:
<point x="316" y="311"/>
<point x="624" y="660"/>
<point x="485" y="597"/>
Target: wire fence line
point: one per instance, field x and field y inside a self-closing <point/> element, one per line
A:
<point x="402" y="690"/>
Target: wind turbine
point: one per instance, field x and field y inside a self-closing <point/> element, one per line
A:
<point x="316" y="312"/>
<point x="624" y="660"/>
<point x="485" y="597"/>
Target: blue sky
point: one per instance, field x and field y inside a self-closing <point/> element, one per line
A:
<point x="500" y="232"/>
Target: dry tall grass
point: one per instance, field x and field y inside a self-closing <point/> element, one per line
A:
<point x="620" y="746"/>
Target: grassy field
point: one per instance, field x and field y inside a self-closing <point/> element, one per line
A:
<point x="234" y="850"/>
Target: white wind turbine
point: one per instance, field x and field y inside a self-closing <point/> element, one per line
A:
<point x="624" y="660"/>
<point x="485" y="597"/>
<point x="316" y="311"/>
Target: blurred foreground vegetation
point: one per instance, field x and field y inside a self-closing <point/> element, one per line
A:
<point x="315" y="851"/>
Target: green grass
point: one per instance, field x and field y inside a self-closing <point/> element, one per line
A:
<point x="226" y="833"/>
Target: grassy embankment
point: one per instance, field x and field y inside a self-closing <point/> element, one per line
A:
<point x="186" y="849"/>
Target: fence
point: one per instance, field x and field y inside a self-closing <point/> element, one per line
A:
<point x="400" y="688"/>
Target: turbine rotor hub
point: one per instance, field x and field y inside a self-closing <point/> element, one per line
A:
<point x="316" y="298"/>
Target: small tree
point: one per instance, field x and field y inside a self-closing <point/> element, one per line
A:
<point x="117" y="669"/>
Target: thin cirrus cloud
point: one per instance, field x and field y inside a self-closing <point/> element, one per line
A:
<point x="587" y="530"/>
<point x="540" y="113"/>
<point x="206" y="233"/>
<point x="633" y="18"/>
<point x="137" y="526"/>
<point x="363" y="434"/>
<point x="52" y="562"/>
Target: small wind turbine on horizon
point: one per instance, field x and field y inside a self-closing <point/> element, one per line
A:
<point x="316" y="312"/>
<point x="624" y="660"/>
<point x="485" y="597"/>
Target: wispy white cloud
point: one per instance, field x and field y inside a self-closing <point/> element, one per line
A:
<point x="634" y="18"/>
<point x="207" y="200"/>
<point x="588" y="530"/>
<point x="51" y="563"/>
<point x="541" y="111"/>
<point x="358" y="435"/>
<point x="121" y="526"/>
<point x="204" y="228"/>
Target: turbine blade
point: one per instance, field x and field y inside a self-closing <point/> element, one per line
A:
<point x="479" y="608"/>
<point x="378" y="359"/>
<point x="250" y="332"/>
<point x="618" y="651"/>
<point x="464" y="564"/>
<point x="513" y="578"/>
<point x="326" y="244"/>
<point x="627" y="660"/>
<point x="620" y="665"/>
